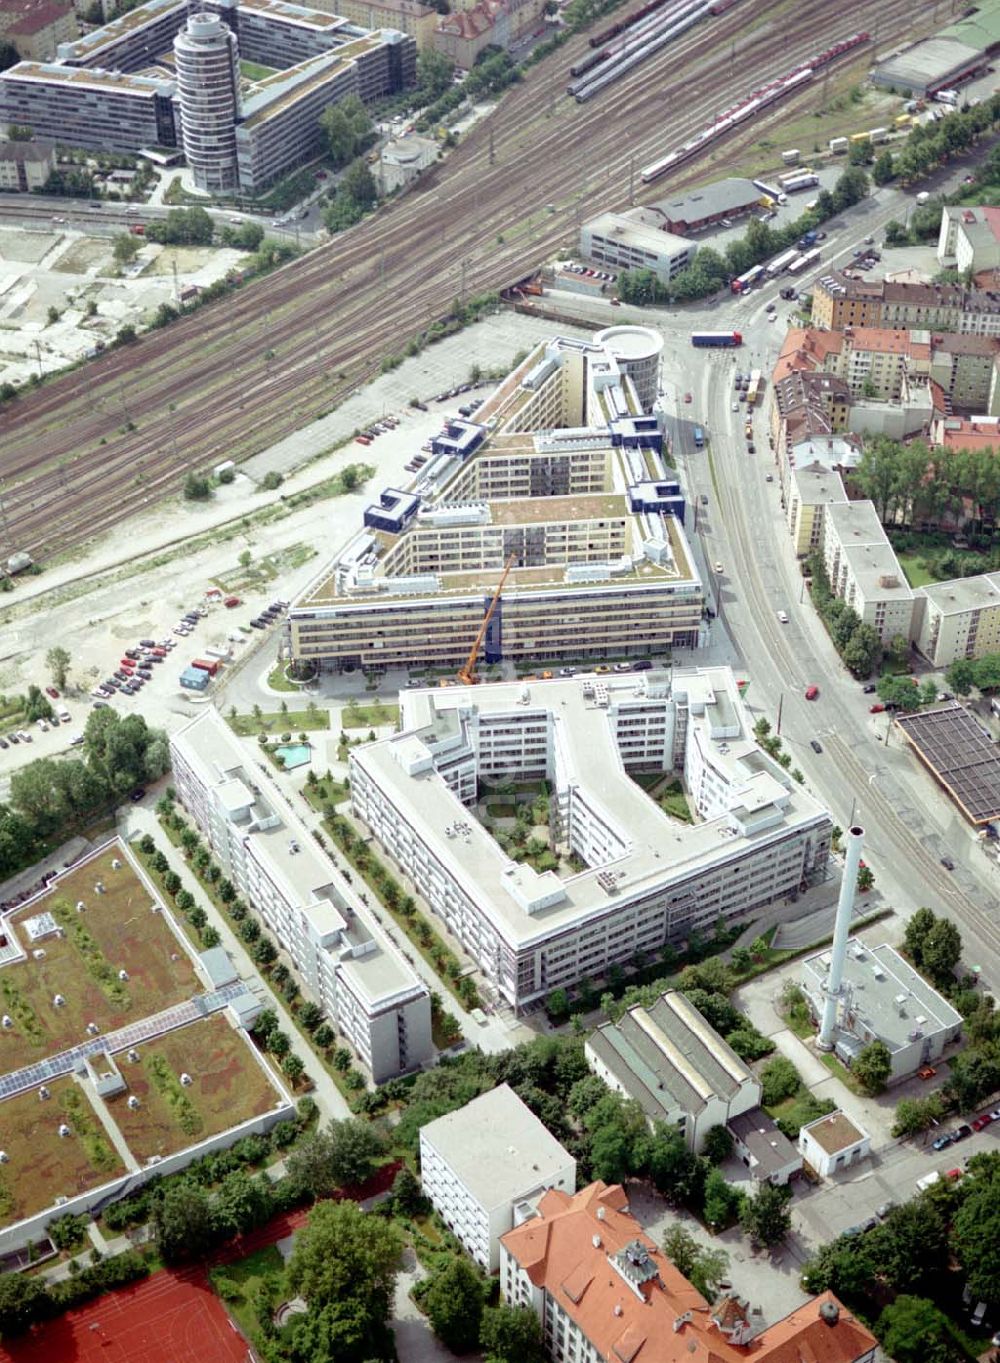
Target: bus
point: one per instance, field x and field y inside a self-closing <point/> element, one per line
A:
<point x="748" y="280"/>
<point x="804" y="261"/>
<point x="699" y="438"/>
<point x="781" y="263"/>
<point x="753" y="388"/>
<point x="712" y="338"/>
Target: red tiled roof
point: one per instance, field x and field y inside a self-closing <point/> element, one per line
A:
<point x="593" y="1259"/>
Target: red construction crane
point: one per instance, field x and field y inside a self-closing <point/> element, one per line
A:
<point x="467" y="674"/>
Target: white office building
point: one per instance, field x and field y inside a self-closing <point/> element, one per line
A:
<point x="343" y="959"/>
<point x="485" y="1166"/>
<point x="624" y="241"/>
<point x="647" y="878"/>
<point x="883" y="999"/>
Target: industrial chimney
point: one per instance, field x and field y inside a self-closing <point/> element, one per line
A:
<point x="845" y="907"/>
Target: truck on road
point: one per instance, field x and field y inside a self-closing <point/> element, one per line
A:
<point x="715" y="338"/>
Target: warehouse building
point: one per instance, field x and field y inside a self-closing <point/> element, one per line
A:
<point x="343" y="959"/>
<point x="938" y="63"/>
<point x="486" y="1165"/>
<point x="707" y="207"/>
<point x="883" y="999"/>
<point x="675" y="1066"/>
<point x="623" y="241"/>
<point x="646" y="879"/>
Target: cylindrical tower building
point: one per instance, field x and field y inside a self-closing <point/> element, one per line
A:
<point x="638" y="351"/>
<point x="208" y="89"/>
<point x="841" y="928"/>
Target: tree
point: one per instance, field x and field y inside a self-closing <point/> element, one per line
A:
<point x="557" y="1005"/>
<point x="872" y="1066"/>
<point x="343" y="1253"/>
<point x="347" y="127"/>
<point x="22" y="1301"/>
<point x="454" y="1303"/>
<point x="844" y="1266"/>
<point x="511" y="1334"/>
<point x="961" y="676"/>
<point x="126" y="248"/>
<point x="851" y="188"/>
<point x="703" y="1268"/>
<point x="913" y="1330"/>
<point x="916" y="932"/>
<point x="942" y="952"/>
<point x="182" y="1221"/>
<point x="779" y="1080"/>
<point x="242" y="1202"/>
<point x="914" y="1115"/>
<point x="766" y="1217"/>
<point x="862" y="650"/>
<point x="57" y="660"/>
<point x="975" y="1236"/>
<point x="718" y="1144"/>
<point x="407" y="1195"/>
<point x="355" y="1148"/>
<point x="359" y="185"/>
<point x="884" y="169"/>
<point x="293" y="1067"/>
<point x="434" y="74"/>
<point x="197" y="488"/>
<point x="911" y="1245"/>
<point x="721" y="1199"/>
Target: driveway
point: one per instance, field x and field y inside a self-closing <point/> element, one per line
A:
<point x="770" y="1282"/>
<point x="416" y="1342"/>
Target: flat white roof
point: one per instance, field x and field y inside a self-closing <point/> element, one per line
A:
<point x="657" y="851"/>
<point x="963" y="593"/>
<point x="497" y="1148"/>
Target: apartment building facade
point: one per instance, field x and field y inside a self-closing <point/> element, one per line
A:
<point x="840" y="300"/>
<point x="484" y="1166"/>
<point x="863" y="569"/>
<point x="37" y="28"/>
<point x="342" y="958"/>
<point x="958" y="619"/>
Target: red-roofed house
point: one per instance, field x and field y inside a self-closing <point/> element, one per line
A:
<point x="37" y="27"/>
<point x="605" y="1294"/>
<point x="464" y="34"/>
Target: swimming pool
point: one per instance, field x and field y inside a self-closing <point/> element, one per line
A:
<point x="295" y="754"/>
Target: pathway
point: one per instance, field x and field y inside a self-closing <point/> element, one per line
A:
<point x="138" y="819"/>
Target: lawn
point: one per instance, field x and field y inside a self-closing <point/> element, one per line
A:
<point x="799" y="1110"/>
<point x="238" y="1284"/>
<point x="913" y="566"/>
<point x="254" y="70"/>
<point x="229" y="1086"/>
<point x="117" y="930"/>
<point x="355" y="716"/>
<point x="41" y="1164"/>
<point x="277" y="679"/>
<point x="274" y="722"/>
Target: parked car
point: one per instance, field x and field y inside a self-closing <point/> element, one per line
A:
<point x="147" y="643"/>
<point x="877" y="709"/>
<point x="812" y="692"/>
<point x="869" y="688"/>
<point x="51" y="691"/>
<point x="943" y="1141"/>
<point x="980" y="1123"/>
<point x="947" y="863"/>
<point x="816" y="745"/>
<point x="137" y="794"/>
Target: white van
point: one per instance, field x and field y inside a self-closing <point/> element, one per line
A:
<point x="63" y="713"/>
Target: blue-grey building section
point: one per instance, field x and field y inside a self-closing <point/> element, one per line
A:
<point x="636" y="432"/>
<point x="194" y="679"/>
<point x="459" y="439"/>
<point x="493" y="642"/>
<point x="661" y="496"/>
<point x="394" y="511"/>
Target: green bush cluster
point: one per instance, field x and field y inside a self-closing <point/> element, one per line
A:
<point x="98" y="967"/>
<point x="169" y="1087"/>
<point x="91" y="1133"/>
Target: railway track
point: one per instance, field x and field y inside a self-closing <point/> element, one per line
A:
<point x="234" y="377"/>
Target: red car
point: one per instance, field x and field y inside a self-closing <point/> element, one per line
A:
<point x="231" y="601"/>
<point x="51" y="691"/>
<point x="687" y="397"/>
<point x="812" y="692"/>
<point x="875" y="709"/>
<point x="981" y="1122"/>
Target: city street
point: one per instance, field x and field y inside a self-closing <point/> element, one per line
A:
<point x="863" y="769"/>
